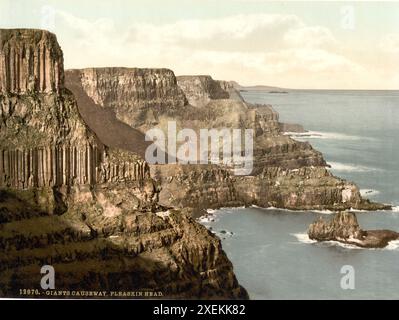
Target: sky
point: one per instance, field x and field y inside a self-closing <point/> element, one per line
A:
<point x="290" y="44"/>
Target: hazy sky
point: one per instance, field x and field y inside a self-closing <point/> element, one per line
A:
<point x="348" y="45"/>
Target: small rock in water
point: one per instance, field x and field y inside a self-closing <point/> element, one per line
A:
<point x="343" y="227"/>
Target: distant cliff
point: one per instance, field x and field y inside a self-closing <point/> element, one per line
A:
<point x="136" y="96"/>
<point x="89" y="210"/>
<point x="200" y="90"/>
<point x="287" y="173"/>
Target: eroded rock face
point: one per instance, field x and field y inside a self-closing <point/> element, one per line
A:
<point x="137" y="96"/>
<point x="207" y="186"/>
<point x="292" y="127"/>
<point x="286" y="173"/>
<point x="200" y="90"/>
<point x="44" y="143"/>
<point x="30" y="61"/>
<point x="106" y="242"/>
<point x="90" y="211"/>
<point x="343" y="227"/>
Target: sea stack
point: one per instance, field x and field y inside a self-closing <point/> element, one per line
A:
<point x="344" y="228"/>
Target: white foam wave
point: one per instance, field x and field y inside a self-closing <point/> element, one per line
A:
<point x="395" y="209"/>
<point x="303" y="237"/>
<point x="368" y="192"/>
<point x="323" y="211"/>
<point x="206" y="219"/>
<point x="356" y="210"/>
<point x="340" y="244"/>
<point x="325" y="135"/>
<point x="392" y="245"/>
<point x="301" y="211"/>
<point x="223" y="233"/>
<point x="280" y="209"/>
<point x="345" y="167"/>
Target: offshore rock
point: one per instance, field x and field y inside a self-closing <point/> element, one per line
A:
<point x="343" y="227"/>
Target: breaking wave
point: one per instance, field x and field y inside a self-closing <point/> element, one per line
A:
<point x="304" y="238"/>
<point x="344" y="167"/>
<point x="325" y="135"/>
<point x="368" y="192"/>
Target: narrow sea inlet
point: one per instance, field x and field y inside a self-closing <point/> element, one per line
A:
<point x="272" y="256"/>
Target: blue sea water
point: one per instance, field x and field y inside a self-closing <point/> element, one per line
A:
<point x="358" y="134"/>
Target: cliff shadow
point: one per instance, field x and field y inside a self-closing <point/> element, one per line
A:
<point x="102" y="120"/>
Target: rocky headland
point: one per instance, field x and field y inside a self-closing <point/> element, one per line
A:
<point x="343" y="227"/>
<point x="286" y="174"/>
<point x="89" y="207"/>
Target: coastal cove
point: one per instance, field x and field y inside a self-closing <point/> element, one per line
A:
<point x="272" y="255"/>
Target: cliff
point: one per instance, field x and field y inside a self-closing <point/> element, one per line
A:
<point x="287" y="173"/>
<point x="229" y="87"/>
<point x="292" y="127"/>
<point x="199" y="90"/>
<point x="43" y="140"/>
<point x="89" y="210"/>
<point x="137" y="96"/>
<point x="30" y="61"/>
<point x="200" y="187"/>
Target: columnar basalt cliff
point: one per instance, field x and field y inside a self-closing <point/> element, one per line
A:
<point x="287" y="173"/>
<point x="89" y="210"/>
<point x="32" y="65"/>
<point x="43" y="141"/>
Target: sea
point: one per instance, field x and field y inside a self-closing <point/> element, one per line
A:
<point x="273" y="258"/>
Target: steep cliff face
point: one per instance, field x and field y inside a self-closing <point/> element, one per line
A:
<point x="220" y="105"/>
<point x="29" y="64"/>
<point x="43" y="140"/>
<point x="91" y="212"/>
<point x="199" y="90"/>
<point x="230" y="88"/>
<point x="137" y="96"/>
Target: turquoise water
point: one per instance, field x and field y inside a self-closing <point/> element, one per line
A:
<point x="358" y="133"/>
